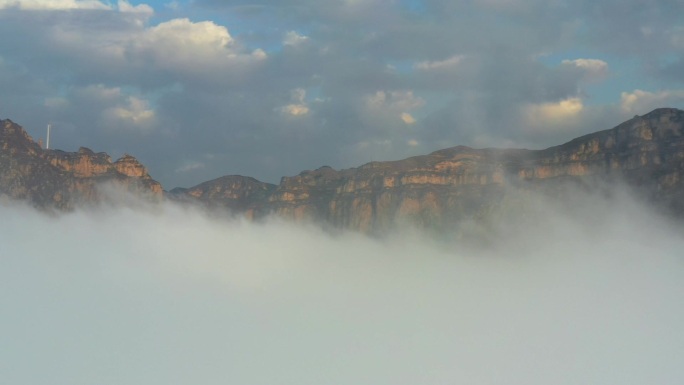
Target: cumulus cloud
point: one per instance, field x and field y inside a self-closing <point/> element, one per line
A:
<point x="552" y="123"/>
<point x="554" y="112"/>
<point x="51" y="5"/>
<point x="295" y="109"/>
<point x="187" y="46"/>
<point x="135" y="112"/>
<point x="168" y="295"/>
<point x="118" y="105"/>
<point x="394" y="103"/>
<point x="125" y="6"/>
<point x="407" y="118"/>
<point x="112" y="109"/>
<point x="203" y="36"/>
<point x="445" y="64"/>
<point x="67" y="5"/>
<point x="123" y="48"/>
<point x="593" y="69"/>
<point x="294" y="39"/>
<point x="298" y="107"/>
<point x="594" y="65"/>
<point x="639" y="101"/>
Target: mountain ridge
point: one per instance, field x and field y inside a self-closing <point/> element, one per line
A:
<point x="433" y="190"/>
<point x="49" y="178"/>
<point x="647" y="152"/>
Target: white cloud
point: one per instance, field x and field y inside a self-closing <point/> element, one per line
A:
<point x="585" y="295"/>
<point x="640" y="102"/>
<point x="552" y="113"/>
<point x="394" y="104"/>
<point x="59" y="5"/>
<point x="183" y="32"/>
<point x="445" y="64"/>
<point x="292" y="38"/>
<point x="295" y="109"/>
<point x="178" y="47"/>
<point x="180" y="42"/>
<point x="182" y="45"/>
<point x="126" y="7"/>
<point x="117" y="108"/>
<point x="53" y="5"/>
<point x="394" y="100"/>
<point x="135" y="111"/>
<point x="298" y="107"/>
<point x="407" y="118"/>
<point x="593" y="69"/>
<point x="593" y="65"/>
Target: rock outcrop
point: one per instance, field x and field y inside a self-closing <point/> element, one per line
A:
<point x="461" y="183"/>
<point x="234" y="192"/>
<point x="58" y="179"/>
<point x="439" y="190"/>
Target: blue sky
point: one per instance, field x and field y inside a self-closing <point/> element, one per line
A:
<point x="204" y="88"/>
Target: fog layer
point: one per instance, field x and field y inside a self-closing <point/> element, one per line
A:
<point x="167" y="295"/>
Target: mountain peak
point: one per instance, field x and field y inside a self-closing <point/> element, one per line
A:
<point x="14" y="139"/>
<point x="55" y="178"/>
<point x="663" y="111"/>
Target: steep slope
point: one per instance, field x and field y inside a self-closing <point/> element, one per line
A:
<point x="53" y="178"/>
<point x="461" y="183"/>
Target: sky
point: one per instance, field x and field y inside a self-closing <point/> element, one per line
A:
<point x="576" y="293"/>
<point x="205" y="88"/>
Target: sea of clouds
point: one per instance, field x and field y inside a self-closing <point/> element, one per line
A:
<point x="590" y="292"/>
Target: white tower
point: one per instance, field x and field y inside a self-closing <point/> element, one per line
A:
<point x="47" y="143"/>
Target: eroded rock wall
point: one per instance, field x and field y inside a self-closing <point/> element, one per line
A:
<point x="59" y="179"/>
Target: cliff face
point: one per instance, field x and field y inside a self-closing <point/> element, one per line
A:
<point x="447" y="187"/>
<point x="234" y="192"/>
<point x="461" y="183"/>
<point x="53" y="178"/>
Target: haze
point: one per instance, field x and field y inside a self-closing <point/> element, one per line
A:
<point x="590" y="292"/>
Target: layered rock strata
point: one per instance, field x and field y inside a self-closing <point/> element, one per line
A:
<point x="447" y="187"/>
<point x="461" y="183"/>
<point x="58" y="179"/>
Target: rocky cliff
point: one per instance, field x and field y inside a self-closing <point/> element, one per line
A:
<point x="439" y="190"/>
<point x="461" y="183"/>
<point x="234" y="192"/>
<point x="54" y="178"/>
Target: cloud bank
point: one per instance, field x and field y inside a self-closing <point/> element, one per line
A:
<point x="590" y="294"/>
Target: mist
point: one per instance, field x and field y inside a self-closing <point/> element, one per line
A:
<point x="590" y="292"/>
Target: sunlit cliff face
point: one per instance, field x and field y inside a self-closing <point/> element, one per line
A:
<point x="586" y="292"/>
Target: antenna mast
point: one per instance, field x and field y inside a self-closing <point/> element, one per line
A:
<point x="47" y="143"/>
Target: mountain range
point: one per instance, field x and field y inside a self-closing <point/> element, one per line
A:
<point x="446" y="187"/>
